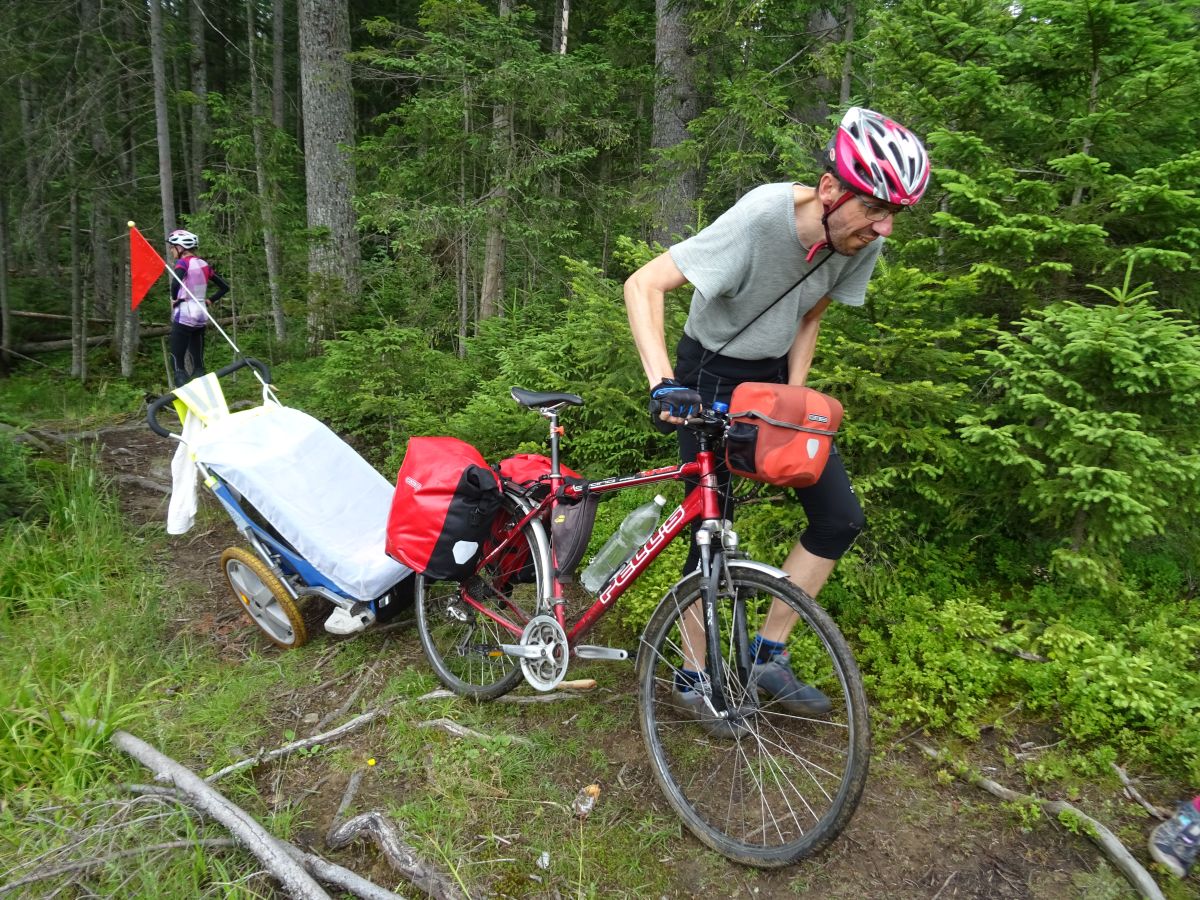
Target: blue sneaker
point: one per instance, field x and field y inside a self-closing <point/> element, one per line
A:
<point x="1175" y="843"/>
<point x="776" y="679"/>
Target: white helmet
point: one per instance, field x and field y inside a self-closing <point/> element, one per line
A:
<point x="184" y="239"/>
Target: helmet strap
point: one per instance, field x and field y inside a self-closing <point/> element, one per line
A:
<point x="816" y="248"/>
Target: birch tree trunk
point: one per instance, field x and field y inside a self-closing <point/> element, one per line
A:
<point x="676" y="103"/>
<point x="200" y="129"/>
<point x="161" y="117"/>
<point x="266" y="191"/>
<point x="492" y="292"/>
<point x="333" y="260"/>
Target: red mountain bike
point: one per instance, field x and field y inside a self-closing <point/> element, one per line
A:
<point x="778" y="786"/>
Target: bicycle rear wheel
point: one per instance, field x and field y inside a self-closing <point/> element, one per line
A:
<point x="786" y="784"/>
<point x="461" y="643"/>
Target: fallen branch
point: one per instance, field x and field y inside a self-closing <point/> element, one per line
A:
<point x="287" y="749"/>
<point x="364" y="679"/>
<point x="1157" y="811"/>
<point x="321" y="869"/>
<point x="402" y="857"/>
<point x="245" y="830"/>
<point x="339" y="876"/>
<point x="1133" y="871"/>
<point x="82" y="865"/>
<point x="462" y="731"/>
<point x="141" y="481"/>
<point x="566" y="691"/>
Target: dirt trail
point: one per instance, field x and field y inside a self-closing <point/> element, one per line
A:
<point x="913" y="835"/>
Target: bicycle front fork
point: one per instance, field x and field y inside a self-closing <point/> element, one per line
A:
<point x="721" y="660"/>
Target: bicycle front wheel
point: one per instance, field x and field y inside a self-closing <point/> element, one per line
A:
<point x="767" y="787"/>
<point x="461" y="643"/>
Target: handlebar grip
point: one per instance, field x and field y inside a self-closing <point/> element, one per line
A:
<point x="154" y="408"/>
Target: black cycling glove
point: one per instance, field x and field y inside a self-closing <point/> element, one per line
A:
<point x="675" y="399"/>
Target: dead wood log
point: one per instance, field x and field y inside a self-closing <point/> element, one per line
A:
<point x="245" y="830"/>
<point x="402" y="857"/>
<point x="1117" y="853"/>
<point x="355" y="723"/>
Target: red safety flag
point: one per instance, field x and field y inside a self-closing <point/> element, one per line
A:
<point x="145" y="265"/>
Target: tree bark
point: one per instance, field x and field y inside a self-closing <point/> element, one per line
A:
<point x="561" y="21"/>
<point x="848" y="58"/>
<point x="200" y="130"/>
<point x="333" y="262"/>
<point x="33" y="228"/>
<point x="125" y="320"/>
<point x="266" y="190"/>
<point x="676" y="103"/>
<point x="491" y="294"/>
<point x="5" y="321"/>
<point x="161" y="116"/>
<point x="277" y="77"/>
<point x="78" y="312"/>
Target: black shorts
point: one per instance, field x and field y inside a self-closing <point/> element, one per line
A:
<point x="835" y="517"/>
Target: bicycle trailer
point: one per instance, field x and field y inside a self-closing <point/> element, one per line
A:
<point x="312" y="511"/>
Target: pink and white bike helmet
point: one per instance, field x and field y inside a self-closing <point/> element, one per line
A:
<point x="878" y="157"/>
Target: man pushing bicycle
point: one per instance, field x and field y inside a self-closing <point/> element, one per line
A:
<point x="764" y="273"/>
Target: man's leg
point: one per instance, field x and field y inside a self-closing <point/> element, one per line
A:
<point x="808" y="572"/>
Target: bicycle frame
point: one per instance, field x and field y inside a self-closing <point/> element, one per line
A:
<point x="702" y="504"/>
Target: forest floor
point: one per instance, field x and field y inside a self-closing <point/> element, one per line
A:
<point x="917" y="833"/>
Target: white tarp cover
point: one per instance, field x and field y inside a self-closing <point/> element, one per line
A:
<point x="313" y="488"/>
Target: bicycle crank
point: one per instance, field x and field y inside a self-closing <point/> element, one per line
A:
<point x="543" y="652"/>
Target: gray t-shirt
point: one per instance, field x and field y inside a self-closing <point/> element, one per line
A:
<point x="744" y="260"/>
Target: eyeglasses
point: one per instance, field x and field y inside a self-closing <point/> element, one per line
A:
<point x="877" y="212"/>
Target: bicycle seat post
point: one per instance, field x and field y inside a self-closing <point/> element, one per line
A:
<point x="551" y="413"/>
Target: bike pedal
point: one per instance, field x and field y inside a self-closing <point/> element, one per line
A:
<point x="588" y="651"/>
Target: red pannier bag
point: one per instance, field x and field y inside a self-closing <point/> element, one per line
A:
<point x="780" y="433"/>
<point x="572" y="524"/>
<point x="443" y="509"/>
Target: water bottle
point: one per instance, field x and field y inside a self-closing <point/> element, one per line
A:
<point x="638" y="526"/>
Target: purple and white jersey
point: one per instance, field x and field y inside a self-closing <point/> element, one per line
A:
<point x="195" y="274"/>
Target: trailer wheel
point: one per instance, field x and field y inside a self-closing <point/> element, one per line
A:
<point x="264" y="598"/>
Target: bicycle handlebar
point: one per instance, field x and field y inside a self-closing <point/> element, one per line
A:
<point x="154" y="408"/>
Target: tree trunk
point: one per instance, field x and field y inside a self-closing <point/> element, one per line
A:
<point x="78" y="313"/>
<point x="561" y="20"/>
<point x="33" y="225"/>
<point x="5" y="321"/>
<point x="266" y="192"/>
<point x="676" y="103"/>
<point x="848" y="58"/>
<point x="161" y="116"/>
<point x="333" y="261"/>
<point x="125" y="321"/>
<point x="102" y="269"/>
<point x="491" y="294"/>
<point x="200" y="129"/>
<point x="277" y="49"/>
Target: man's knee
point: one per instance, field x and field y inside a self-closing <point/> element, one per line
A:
<point x="831" y="538"/>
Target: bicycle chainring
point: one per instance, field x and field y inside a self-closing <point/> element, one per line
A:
<point x="545" y="671"/>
